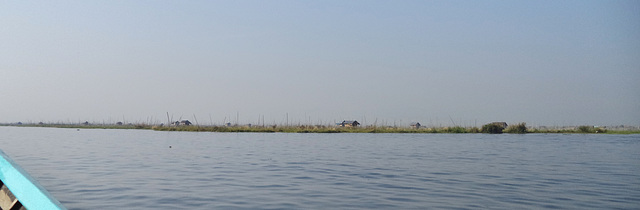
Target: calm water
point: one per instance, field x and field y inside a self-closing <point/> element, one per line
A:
<point x="140" y="169"/>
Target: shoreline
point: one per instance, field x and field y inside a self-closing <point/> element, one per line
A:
<point x="332" y="129"/>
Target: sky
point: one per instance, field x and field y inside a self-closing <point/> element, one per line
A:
<point x="440" y="63"/>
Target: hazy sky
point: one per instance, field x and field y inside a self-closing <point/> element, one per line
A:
<point x="470" y="62"/>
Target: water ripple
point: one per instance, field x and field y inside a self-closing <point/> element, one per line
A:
<point x="125" y="169"/>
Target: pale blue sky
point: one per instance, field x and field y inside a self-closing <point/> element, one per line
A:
<point x="540" y="62"/>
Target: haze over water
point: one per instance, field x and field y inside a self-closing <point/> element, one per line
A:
<point x="142" y="169"/>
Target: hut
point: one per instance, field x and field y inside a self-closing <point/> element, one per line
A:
<point x="346" y="123"/>
<point x="415" y="125"/>
<point x="182" y="122"/>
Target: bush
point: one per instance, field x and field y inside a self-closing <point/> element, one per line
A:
<point x="585" y="129"/>
<point x="492" y="128"/>
<point x="456" y="129"/>
<point x="518" y="128"/>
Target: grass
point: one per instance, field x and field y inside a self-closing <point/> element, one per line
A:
<point x="623" y="132"/>
<point x="311" y="129"/>
<point x="90" y="126"/>
<point x="519" y="128"/>
<point x="585" y="130"/>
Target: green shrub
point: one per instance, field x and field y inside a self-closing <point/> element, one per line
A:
<point x="585" y="129"/>
<point x="517" y="128"/>
<point x="456" y="129"/>
<point x="474" y="130"/>
<point x="492" y="128"/>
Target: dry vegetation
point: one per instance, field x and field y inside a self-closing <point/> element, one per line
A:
<point x="519" y="128"/>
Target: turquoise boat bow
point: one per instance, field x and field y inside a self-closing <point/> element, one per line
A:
<point x="18" y="190"/>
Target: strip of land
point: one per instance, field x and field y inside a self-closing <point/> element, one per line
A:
<point x="515" y="129"/>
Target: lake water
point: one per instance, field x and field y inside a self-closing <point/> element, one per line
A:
<point x="142" y="169"/>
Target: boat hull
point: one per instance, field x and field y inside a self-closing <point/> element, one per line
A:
<point x="19" y="190"/>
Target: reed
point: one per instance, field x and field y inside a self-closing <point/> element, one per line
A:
<point x="519" y="128"/>
<point x="585" y="130"/>
<point x="456" y="129"/>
